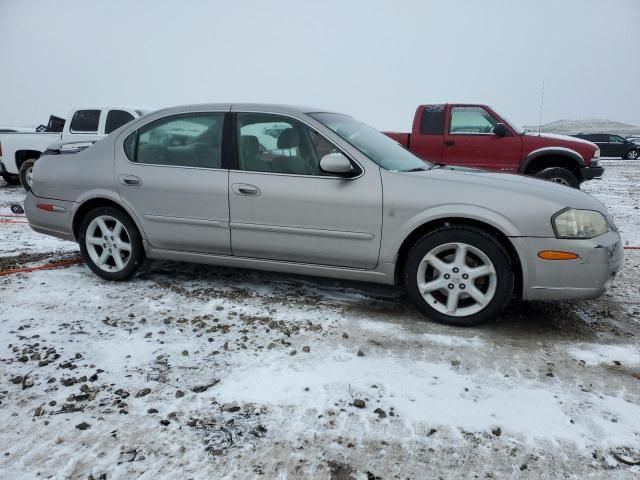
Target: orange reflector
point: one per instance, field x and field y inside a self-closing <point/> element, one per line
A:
<point x="45" y="206"/>
<point x="555" y="255"/>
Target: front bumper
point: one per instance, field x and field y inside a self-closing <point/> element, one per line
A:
<point x="587" y="173"/>
<point x="588" y="276"/>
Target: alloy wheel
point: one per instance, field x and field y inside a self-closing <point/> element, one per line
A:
<point x="457" y="279"/>
<point x="108" y="243"/>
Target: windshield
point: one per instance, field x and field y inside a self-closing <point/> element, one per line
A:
<point x="377" y="146"/>
<point x="511" y="123"/>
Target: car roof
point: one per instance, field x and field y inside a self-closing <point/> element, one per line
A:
<point x="246" y="107"/>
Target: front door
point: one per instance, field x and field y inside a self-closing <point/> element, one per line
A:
<point x="283" y="207"/>
<point x="469" y="140"/>
<point x="170" y="173"/>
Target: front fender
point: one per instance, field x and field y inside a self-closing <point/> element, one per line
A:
<point x="441" y="212"/>
<point x="562" y="151"/>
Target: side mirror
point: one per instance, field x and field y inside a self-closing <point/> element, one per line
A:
<point x="500" y="130"/>
<point x="336" y="163"/>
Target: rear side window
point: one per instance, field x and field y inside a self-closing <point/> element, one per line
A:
<point x="432" y="122"/>
<point x="85" y="121"/>
<point x="115" y="119"/>
<point x="189" y="140"/>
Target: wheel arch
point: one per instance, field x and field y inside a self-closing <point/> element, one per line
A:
<point x="552" y="157"/>
<point x="24" y="155"/>
<point x="88" y="204"/>
<point x="434" y="224"/>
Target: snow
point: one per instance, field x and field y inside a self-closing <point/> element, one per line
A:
<point x="553" y="388"/>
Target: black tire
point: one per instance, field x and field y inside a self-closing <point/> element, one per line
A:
<point x="478" y="239"/>
<point x="559" y="175"/>
<point x="137" y="256"/>
<point x="25" y="173"/>
<point x="632" y="154"/>
<point x="11" y="179"/>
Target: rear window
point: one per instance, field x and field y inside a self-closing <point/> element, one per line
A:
<point x="85" y="121"/>
<point x="116" y="119"/>
<point x="432" y="122"/>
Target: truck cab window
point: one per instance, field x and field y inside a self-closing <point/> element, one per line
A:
<point x="432" y="121"/>
<point x="115" y="119"/>
<point x="471" y="121"/>
<point x="85" y="121"/>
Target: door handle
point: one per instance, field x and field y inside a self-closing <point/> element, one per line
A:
<point x="245" y="189"/>
<point x="130" y="180"/>
<point x="449" y="143"/>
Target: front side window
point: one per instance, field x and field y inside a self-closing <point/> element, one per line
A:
<point x="471" y="121"/>
<point x="85" y="121"/>
<point x="616" y="139"/>
<point x="116" y="119"/>
<point x="189" y="140"/>
<point x="278" y="144"/>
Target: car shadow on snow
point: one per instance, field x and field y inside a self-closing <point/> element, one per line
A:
<point x="359" y="300"/>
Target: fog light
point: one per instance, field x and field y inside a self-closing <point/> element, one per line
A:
<point x="556" y="255"/>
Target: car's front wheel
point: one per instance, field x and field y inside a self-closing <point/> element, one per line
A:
<point x="110" y="244"/>
<point x="459" y="275"/>
<point x="632" y="154"/>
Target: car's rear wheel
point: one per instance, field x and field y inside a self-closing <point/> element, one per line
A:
<point x="632" y="154"/>
<point x="459" y="276"/>
<point x="11" y="179"/>
<point x="559" y="175"/>
<point x="26" y="174"/>
<point x="110" y="244"/>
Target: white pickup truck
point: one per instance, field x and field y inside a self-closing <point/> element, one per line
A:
<point x="20" y="150"/>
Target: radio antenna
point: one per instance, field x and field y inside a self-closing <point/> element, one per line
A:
<point x="541" y="105"/>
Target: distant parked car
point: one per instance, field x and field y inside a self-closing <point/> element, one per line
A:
<point x="634" y="139"/>
<point x="330" y="196"/>
<point x="612" y="145"/>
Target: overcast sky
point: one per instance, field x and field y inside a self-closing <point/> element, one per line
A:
<point x="373" y="59"/>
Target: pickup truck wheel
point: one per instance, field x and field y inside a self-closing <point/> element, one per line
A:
<point x="559" y="175"/>
<point x="26" y="174"/>
<point x="459" y="276"/>
<point x="110" y="244"/>
<point x="632" y="154"/>
<point x="11" y="179"/>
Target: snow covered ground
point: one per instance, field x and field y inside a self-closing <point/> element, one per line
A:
<point x="199" y="372"/>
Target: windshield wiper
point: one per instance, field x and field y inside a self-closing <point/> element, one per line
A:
<point x="417" y="169"/>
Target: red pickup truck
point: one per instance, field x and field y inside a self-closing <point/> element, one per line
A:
<point x="476" y="136"/>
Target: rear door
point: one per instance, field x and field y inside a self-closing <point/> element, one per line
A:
<point x="170" y="173"/>
<point x="282" y="206"/>
<point x="470" y="140"/>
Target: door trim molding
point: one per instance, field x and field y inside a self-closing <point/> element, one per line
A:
<point x="302" y="231"/>
<point x="187" y="221"/>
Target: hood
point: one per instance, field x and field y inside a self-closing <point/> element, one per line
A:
<point x="564" y="138"/>
<point x="524" y="202"/>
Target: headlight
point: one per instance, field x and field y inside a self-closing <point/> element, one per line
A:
<point x="572" y="223"/>
<point x="595" y="160"/>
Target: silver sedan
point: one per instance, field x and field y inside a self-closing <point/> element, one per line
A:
<point x="305" y="191"/>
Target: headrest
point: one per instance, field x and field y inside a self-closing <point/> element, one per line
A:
<point x="289" y="138"/>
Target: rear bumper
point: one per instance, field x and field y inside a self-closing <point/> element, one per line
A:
<point x="57" y="223"/>
<point x="587" y="173"/>
<point x="588" y="276"/>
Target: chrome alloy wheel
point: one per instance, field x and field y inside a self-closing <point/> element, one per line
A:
<point x="108" y="243"/>
<point x="457" y="279"/>
<point x="29" y="176"/>
<point x="559" y="180"/>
